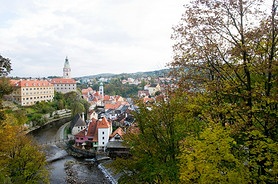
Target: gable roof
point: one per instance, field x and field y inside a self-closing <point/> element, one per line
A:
<point x="63" y="81"/>
<point x="119" y="131"/>
<point x="74" y="120"/>
<point x="112" y="106"/>
<point x="106" y="98"/>
<point x="92" y="129"/>
<point x="81" y="133"/>
<point x="103" y="123"/>
<point x="79" y="122"/>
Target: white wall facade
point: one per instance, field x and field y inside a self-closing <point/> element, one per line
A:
<point x="103" y="136"/>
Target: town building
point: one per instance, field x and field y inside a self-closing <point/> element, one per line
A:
<point x="28" y="92"/>
<point x="96" y="135"/>
<point x="77" y="124"/>
<point x="153" y="88"/>
<point x="66" y="84"/>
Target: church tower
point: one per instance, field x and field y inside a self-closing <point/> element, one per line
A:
<point x="101" y="91"/>
<point x="66" y="69"/>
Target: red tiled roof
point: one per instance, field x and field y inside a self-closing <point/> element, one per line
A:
<point x="103" y="123"/>
<point x="106" y="98"/>
<point x="63" y="81"/>
<point x="97" y="94"/>
<point x="119" y="131"/>
<point x="30" y="83"/>
<point x="92" y="129"/>
<point x="95" y="99"/>
<point x="81" y="133"/>
<point x="118" y="97"/>
<point x="112" y="106"/>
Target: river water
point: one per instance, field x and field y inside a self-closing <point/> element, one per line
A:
<point x="84" y="173"/>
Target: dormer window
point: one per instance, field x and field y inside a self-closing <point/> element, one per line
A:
<point x="26" y="84"/>
<point x="34" y="84"/>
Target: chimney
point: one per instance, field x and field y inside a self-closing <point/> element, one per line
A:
<point x="83" y="116"/>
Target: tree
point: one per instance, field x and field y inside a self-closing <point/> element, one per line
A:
<point x="5" y="66"/>
<point x="22" y="161"/>
<point x="211" y="159"/>
<point x="86" y="106"/>
<point x="226" y="51"/>
<point x="155" y="141"/>
<point x="5" y="85"/>
<point x="77" y="107"/>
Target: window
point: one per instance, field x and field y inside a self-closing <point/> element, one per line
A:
<point x="81" y="138"/>
<point x="90" y="139"/>
<point x="102" y="137"/>
<point x="77" y="137"/>
<point x="102" y="133"/>
<point x="102" y="142"/>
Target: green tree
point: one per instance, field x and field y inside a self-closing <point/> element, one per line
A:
<point x="5" y="66"/>
<point x="211" y="159"/>
<point x="77" y="107"/>
<point x="155" y="141"/>
<point x="86" y="106"/>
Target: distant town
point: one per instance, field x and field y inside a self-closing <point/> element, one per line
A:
<point x="110" y="102"/>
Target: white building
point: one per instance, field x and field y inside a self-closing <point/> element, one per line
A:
<point x="104" y="130"/>
<point x="66" y="84"/>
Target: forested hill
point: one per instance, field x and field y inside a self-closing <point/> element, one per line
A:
<point x="162" y="73"/>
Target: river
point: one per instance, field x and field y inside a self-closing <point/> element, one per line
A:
<point x="82" y="171"/>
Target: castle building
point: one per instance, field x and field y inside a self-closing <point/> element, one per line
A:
<point x="66" y="69"/>
<point x="66" y="84"/>
<point x="28" y="92"/>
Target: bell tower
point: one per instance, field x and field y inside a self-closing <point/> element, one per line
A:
<point x="101" y="91"/>
<point x="66" y="69"/>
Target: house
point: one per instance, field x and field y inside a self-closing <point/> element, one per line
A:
<point x="28" y="92"/>
<point x="119" y="99"/>
<point x="77" y="124"/>
<point x="115" y="146"/>
<point x="153" y="88"/>
<point x="96" y="135"/>
<point x="92" y="114"/>
<point x="143" y="94"/>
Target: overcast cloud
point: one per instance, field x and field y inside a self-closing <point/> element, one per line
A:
<point x="98" y="36"/>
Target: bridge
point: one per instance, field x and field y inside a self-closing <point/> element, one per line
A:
<point x="56" y="141"/>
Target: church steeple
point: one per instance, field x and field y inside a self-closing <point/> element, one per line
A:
<point x="66" y="69"/>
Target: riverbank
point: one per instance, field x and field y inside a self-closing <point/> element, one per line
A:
<point x="70" y="165"/>
<point x="65" y="118"/>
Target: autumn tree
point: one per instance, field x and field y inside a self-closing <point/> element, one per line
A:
<point x="226" y="51"/>
<point x="22" y="160"/>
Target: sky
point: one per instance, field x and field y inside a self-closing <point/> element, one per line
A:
<point x="97" y="36"/>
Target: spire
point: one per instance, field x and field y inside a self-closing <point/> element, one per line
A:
<point x="66" y="69"/>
